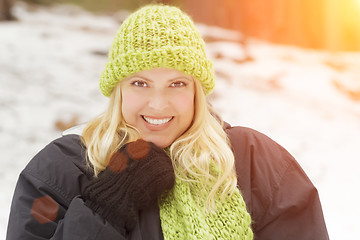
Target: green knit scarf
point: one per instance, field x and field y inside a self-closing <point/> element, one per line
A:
<point x="183" y="218"/>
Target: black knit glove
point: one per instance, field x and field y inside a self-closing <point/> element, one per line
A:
<point x="134" y="178"/>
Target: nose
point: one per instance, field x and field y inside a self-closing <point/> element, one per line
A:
<point x="159" y="101"/>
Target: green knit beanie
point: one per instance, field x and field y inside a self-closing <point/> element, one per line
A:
<point x="157" y="36"/>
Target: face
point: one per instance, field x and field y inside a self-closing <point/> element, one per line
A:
<point x="159" y="103"/>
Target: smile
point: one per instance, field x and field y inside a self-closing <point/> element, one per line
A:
<point x="157" y="121"/>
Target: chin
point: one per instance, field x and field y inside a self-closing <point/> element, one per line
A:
<point x="162" y="144"/>
<point x="159" y="142"/>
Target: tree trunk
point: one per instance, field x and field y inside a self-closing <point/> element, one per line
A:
<point x="5" y="10"/>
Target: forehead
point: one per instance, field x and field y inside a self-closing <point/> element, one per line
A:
<point x="161" y="73"/>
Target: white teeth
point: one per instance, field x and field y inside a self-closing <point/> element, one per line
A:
<point x="157" y="121"/>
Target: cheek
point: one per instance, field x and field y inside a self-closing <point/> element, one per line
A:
<point x="184" y="104"/>
<point x="131" y="104"/>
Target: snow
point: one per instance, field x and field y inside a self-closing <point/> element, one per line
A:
<point x="306" y="100"/>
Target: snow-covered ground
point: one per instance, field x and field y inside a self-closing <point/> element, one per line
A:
<point x="308" y="101"/>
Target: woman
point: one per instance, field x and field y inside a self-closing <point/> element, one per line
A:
<point x="159" y="164"/>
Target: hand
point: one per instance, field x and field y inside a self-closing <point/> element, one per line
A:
<point x="137" y="174"/>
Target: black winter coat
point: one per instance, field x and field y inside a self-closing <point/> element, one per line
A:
<point x="47" y="202"/>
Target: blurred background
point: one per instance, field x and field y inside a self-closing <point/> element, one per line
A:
<point x="322" y="24"/>
<point x="289" y="69"/>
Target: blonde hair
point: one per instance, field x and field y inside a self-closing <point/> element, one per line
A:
<point x="201" y="149"/>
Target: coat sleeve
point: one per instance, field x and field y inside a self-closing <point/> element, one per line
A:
<point x="281" y="199"/>
<point x="46" y="202"/>
<point x="294" y="210"/>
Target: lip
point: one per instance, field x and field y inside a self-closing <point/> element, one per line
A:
<point x="159" y="127"/>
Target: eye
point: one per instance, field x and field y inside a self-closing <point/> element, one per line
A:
<point x="178" y="84"/>
<point x="139" y="83"/>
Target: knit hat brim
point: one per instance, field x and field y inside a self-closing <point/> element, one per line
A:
<point x="185" y="59"/>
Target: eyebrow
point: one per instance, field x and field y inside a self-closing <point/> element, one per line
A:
<point x="181" y="78"/>
<point x="189" y="79"/>
<point x="139" y="76"/>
